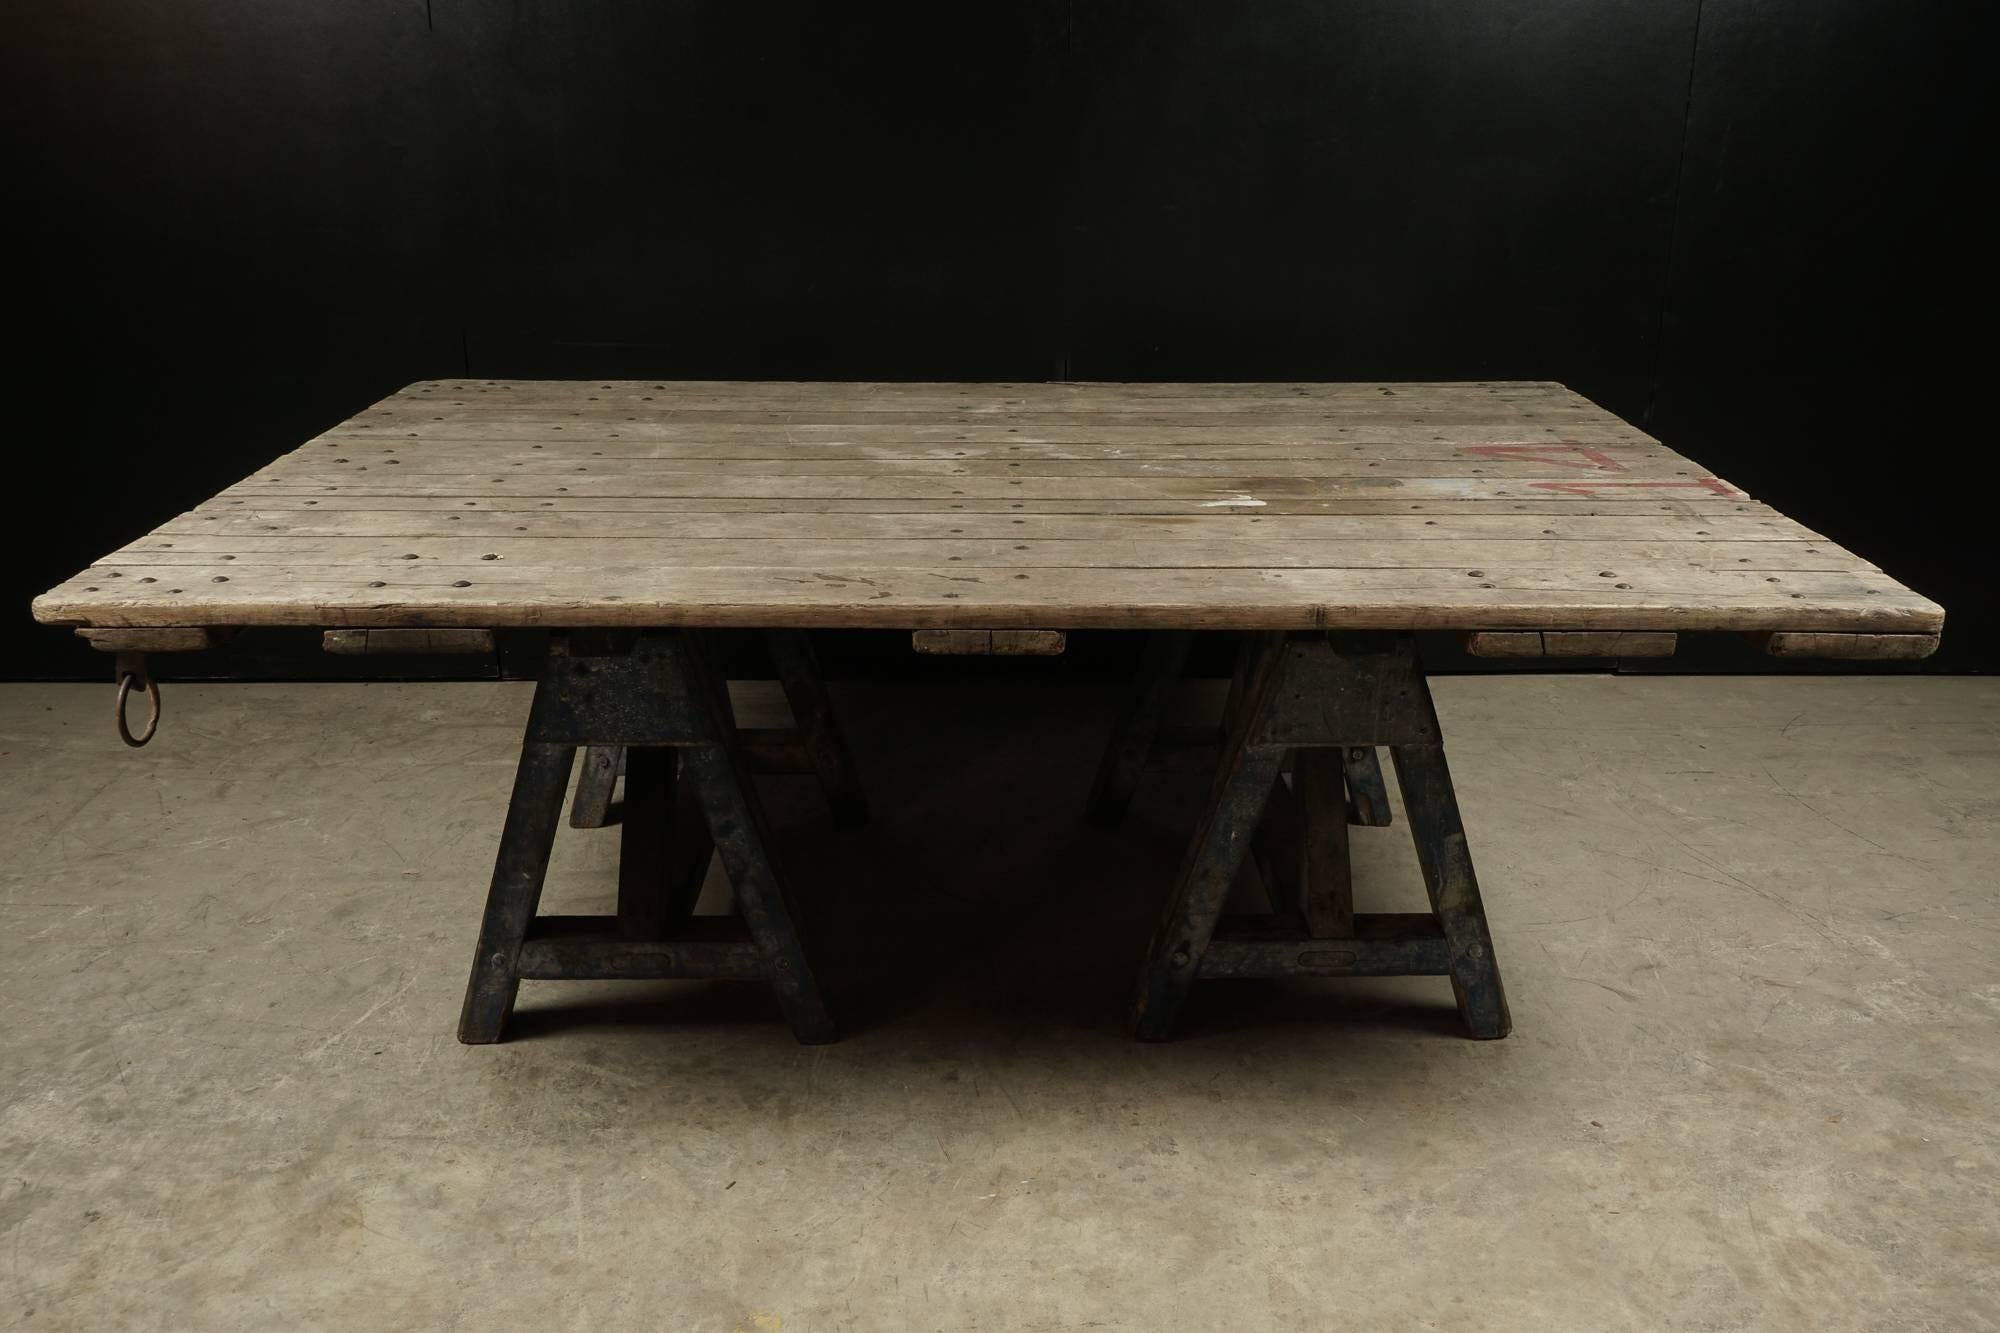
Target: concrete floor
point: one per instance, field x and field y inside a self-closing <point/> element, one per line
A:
<point x="1748" y="928"/>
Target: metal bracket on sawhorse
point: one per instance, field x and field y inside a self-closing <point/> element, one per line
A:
<point x="688" y="786"/>
<point x="1320" y="697"/>
<point x="813" y="745"/>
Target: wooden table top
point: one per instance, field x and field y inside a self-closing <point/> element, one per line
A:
<point x="496" y="504"/>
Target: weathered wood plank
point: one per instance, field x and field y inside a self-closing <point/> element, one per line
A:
<point x="1231" y="466"/>
<point x="1240" y="489"/>
<point x="1394" y="588"/>
<point x="1609" y="643"/>
<point x="1571" y="643"/>
<point x="515" y="444"/>
<point x="1563" y="505"/>
<point x="508" y="431"/>
<point x="989" y="642"/>
<point x="952" y="642"/>
<point x="1037" y="599"/>
<point x="1504" y="643"/>
<point x="222" y="526"/>
<point x="161" y="639"/>
<point x="1853" y="647"/>
<point x="376" y="642"/>
<point x="930" y="394"/>
<point x="392" y="555"/>
<point x="1029" y="642"/>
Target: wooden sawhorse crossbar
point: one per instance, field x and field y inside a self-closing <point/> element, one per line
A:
<point x="1324" y="701"/>
<point x="654" y="699"/>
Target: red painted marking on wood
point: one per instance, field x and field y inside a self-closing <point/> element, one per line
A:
<point x="1589" y="489"/>
<point x="1540" y="453"/>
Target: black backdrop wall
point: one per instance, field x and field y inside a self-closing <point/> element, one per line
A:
<point x="1747" y="224"/>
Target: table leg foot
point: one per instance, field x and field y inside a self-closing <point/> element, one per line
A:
<point x="714" y="767"/>
<point x="1236" y="802"/>
<point x="518" y="872"/>
<point x="1431" y="806"/>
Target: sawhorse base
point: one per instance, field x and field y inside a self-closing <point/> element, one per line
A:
<point x="688" y="788"/>
<point x="1325" y="701"/>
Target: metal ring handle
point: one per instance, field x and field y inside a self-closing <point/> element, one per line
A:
<point x="126" y="679"/>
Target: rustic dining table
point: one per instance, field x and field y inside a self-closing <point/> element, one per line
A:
<point x="1323" y="524"/>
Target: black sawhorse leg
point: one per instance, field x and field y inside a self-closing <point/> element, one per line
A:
<point x="687" y="781"/>
<point x="1321" y="698"/>
<point x="814" y="744"/>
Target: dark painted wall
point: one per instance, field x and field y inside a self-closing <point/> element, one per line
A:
<point x="233" y="227"/>
<point x="1828" y="333"/>
<point x="1749" y="225"/>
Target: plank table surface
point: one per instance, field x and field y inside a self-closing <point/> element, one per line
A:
<point x="1461" y="506"/>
